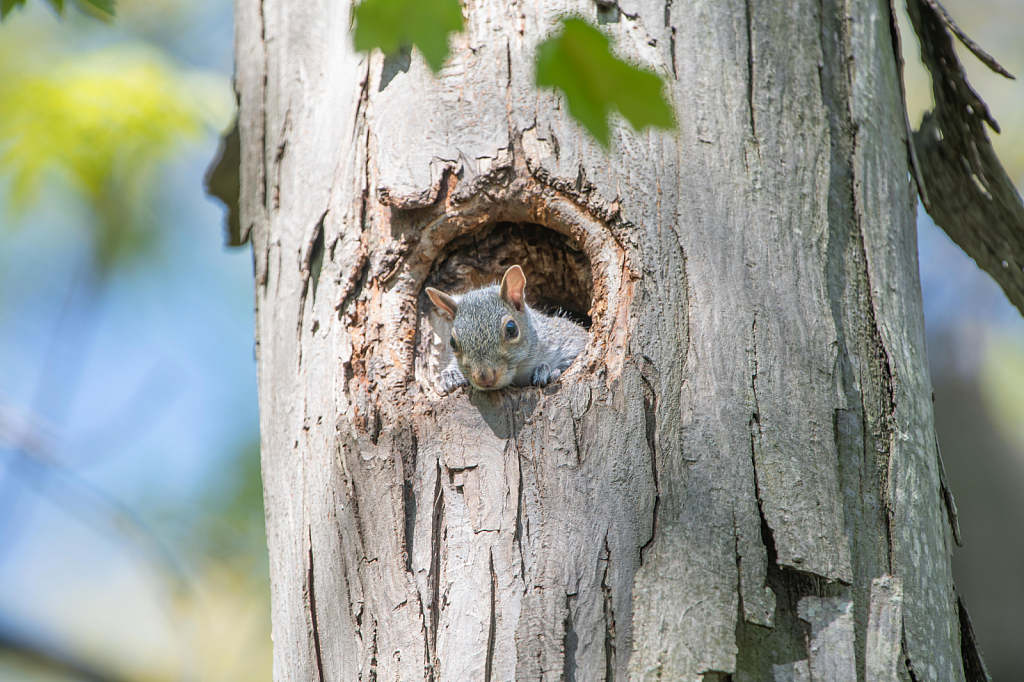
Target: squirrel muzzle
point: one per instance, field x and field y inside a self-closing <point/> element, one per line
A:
<point x="485" y="378"/>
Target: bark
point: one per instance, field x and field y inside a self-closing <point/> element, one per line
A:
<point x="738" y="477"/>
<point x="963" y="184"/>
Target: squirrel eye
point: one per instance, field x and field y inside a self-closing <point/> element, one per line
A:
<point x="453" y="344"/>
<point x="511" y="330"/>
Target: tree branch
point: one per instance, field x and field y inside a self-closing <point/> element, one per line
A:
<point x="971" y="197"/>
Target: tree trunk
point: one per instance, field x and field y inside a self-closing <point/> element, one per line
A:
<point x="727" y="477"/>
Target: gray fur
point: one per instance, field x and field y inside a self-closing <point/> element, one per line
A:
<point x="545" y="348"/>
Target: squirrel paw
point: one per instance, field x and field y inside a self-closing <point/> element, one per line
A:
<point x="544" y="375"/>
<point x="452" y="379"/>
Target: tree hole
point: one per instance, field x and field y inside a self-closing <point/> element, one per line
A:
<point x="558" y="281"/>
<point x="558" y="275"/>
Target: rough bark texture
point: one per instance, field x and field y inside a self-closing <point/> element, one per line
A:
<point x="746" y="447"/>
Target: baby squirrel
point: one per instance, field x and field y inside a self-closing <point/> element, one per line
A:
<point x="499" y="340"/>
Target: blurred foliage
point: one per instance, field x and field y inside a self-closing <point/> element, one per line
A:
<point x="985" y="471"/>
<point x="100" y="123"/>
<point x="218" y="606"/>
<point x="225" y="615"/>
<point x="231" y="525"/>
<point x="1001" y="382"/>
<point x="578" y="62"/>
<point x="392" y="25"/>
<point x="226" y="625"/>
<point x="101" y="9"/>
<point x="90" y="118"/>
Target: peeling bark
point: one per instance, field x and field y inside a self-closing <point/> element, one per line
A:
<point x="963" y="185"/>
<point x="745" y="447"/>
<point x="883" y="650"/>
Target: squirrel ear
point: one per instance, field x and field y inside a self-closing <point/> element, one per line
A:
<point x="513" y="287"/>
<point x="443" y="301"/>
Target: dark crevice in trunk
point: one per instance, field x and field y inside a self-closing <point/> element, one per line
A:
<point x="278" y="156"/>
<point x="312" y="260"/>
<point x="312" y="264"/>
<point x="435" y="574"/>
<point x="767" y="534"/>
<point x="508" y="65"/>
<point x="376" y="426"/>
<point x="717" y="676"/>
<point x="570" y="643"/>
<point x="492" y="625"/>
<point x="517" y="536"/>
<point x="373" y="654"/>
<point x="404" y="451"/>
<point x="672" y="46"/>
<point x="759" y="647"/>
<point x="750" y="70"/>
<point x="651" y="428"/>
<point x="279" y="153"/>
<point x="364" y="98"/>
<point x="947" y="497"/>
<point x="316" y="256"/>
<point x="263" y="111"/>
<point x="672" y="37"/>
<point x="739" y="571"/>
<point x="609" y="617"/>
<point x="263" y="269"/>
<point x="884" y="430"/>
<point x="311" y="592"/>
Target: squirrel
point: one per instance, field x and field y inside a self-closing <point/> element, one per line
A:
<point x="498" y="340"/>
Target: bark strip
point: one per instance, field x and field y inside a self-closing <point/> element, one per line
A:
<point x="970" y="195"/>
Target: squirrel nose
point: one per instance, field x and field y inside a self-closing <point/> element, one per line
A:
<point x="485" y="378"/>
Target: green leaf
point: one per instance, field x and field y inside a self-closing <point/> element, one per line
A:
<point x="393" y="24"/>
<point x="578" y="62"/>
<point x="102" y="9"/>
<point x="7" y="5"/>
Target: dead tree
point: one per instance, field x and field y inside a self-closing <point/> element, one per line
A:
<point x="738" y="477"/>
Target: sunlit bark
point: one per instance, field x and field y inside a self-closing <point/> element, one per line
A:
<point x="721" y="483"/>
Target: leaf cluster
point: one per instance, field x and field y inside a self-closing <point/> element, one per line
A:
<point x="576" y="61"/>
<point x="101" y="9"/>
<point x="99" y="124"/>
<point x="392" y="25"/>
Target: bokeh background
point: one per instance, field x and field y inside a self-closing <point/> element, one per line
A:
<point x="131" y="516"/>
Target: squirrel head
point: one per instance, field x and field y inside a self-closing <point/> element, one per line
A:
<point x="491" y="333"/>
